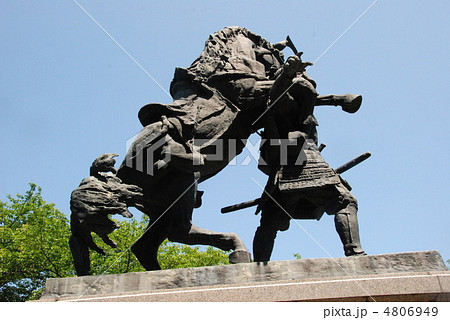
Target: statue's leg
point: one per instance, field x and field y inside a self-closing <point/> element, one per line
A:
<point x="273" y="218"/>
<point x="225" y="241"/>
<point x="146" y="247"/>
<point x="80" y="254"/>
<point x="80" y="241"/>
<point x="349" y="102"/>
<point x="263" y="243"/>
<point x="346" y="223"/>
<point x="182" y="230"/>
<point x="197" y="235"/>
<point x="165" y="204"/>
<point x="337" y="200"/>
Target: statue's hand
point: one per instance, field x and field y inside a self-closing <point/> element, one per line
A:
<point x="100" y="251"/>
<point x="294" y="65"/>
<point x="306" y="64"/>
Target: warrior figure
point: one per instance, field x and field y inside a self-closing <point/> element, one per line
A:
<point x="301" y="184"/>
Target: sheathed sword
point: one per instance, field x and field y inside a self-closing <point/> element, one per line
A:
<point x="255" y="202"/>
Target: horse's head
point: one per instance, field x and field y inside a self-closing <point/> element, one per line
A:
<point x="235" y="63"/>
<point x="236" y="51"/>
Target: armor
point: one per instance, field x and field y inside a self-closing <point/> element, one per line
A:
<point x="301" y="184"/>
<point x="314" y="173"/>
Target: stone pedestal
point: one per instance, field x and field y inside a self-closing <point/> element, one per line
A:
<point x="410" y="276"/>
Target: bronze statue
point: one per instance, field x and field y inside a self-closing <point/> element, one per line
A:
<point x="220" y="98"/>
<point x="99" y="195"/>
<point x="301" y="184"/>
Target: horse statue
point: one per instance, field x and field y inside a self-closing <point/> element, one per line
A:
<point x="218" y="103"/>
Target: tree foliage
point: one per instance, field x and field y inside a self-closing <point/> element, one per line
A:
<point x="174" y="256"/>
<point x="170" y="255"/>
<point x="34" y="246"/>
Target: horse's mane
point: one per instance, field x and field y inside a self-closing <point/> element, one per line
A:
<point x="235" y="51"/>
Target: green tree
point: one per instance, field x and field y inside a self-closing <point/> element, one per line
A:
<point x="170" y="255"/>
<point x="34" y="246"/>
<point x="120" y="259"/>
<point x="174" y="256"/>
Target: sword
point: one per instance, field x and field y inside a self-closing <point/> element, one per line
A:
<point x="339" y="170"/>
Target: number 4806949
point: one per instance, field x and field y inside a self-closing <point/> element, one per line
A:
<point x="411" y="311"/>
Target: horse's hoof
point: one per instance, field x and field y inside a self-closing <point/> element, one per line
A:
<point x="239" y="256"/>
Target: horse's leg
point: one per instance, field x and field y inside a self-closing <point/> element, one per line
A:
<point x="225" y="241"/>
<point x="170" y="213"/>
<point x="146" y="247"/>
<point x="182" y="230"/>
<point x="197" y="235"/>
<point x="163" y="205"/>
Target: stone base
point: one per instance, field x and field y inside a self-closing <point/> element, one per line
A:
<point x="411" y="276"/>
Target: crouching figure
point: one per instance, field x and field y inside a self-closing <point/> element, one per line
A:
<point x="98" y="196"/>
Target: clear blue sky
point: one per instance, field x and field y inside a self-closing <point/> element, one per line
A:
<point x="68" y="93"/>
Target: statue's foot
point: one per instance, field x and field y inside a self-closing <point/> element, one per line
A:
<point x="239" y="256"/>
<point x="352" y="251"/>
<point x="356" y="254"/>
